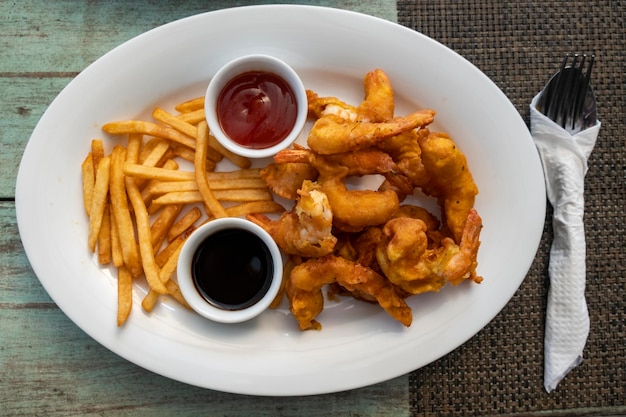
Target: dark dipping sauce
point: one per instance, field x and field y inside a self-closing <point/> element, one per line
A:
<point x="257" y="109"/>
<point x="232" y="269"/>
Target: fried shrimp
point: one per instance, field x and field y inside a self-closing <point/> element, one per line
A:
<point x="449" y="179"/>
<point x="306" y="300"/>
<point x="307" y="229"/>
<point x="379" y="104"/>
<point x="333" y="134"/>
<point x="286" y="179"/>
<point x="352" y="210"/>
<point x="433" y="226"/>
<point x="325" y="106"/>
<point x="405" y="151"/>
<point x="406" y="260"/>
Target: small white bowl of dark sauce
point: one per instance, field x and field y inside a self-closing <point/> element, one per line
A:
<point x="256" y="105"/>
<point x="230" y="270"/>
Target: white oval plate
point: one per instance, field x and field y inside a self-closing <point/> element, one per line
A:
<point x="332" y="49"/>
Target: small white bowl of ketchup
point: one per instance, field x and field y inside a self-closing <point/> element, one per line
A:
<point x="230" y="270"/>
<point x="256" y="105"/>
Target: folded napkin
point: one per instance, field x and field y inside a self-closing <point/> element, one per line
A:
<point x="564" y="158"/>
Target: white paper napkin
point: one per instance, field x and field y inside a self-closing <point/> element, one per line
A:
<point x="564" y="158"/>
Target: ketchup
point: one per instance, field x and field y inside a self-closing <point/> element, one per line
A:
<point x="257" y="109"/>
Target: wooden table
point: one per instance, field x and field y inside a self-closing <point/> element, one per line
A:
<point x="48" y="366"/>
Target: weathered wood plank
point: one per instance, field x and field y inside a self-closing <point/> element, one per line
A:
<point x="50" y="367"/>
<point x="22" y="102"/>
<point x="18" y="283"/>
<point x="66" y="36"/>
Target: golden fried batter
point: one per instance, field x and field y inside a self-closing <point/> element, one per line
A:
<point x="333" y="134"/>
<point x="307" y="229"/>
<point x="450" y="179"/>
<point x="406" y="259"/>
<point x="286" y="179"/>
<point x="304" y="289"/>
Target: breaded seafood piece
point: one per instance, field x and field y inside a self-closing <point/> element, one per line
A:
<point x="307" y="229"/>
<point x="306" y="300"/>
<point x="286" y="179"/>
<point x="378" y="104"/>
<point x="449" y="179"/>
<point x="333" y="134"/>
<point x="407" y="261"/>
<point x="353" y="210"/>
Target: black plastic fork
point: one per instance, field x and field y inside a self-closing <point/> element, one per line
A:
<point x="568" y="98"/>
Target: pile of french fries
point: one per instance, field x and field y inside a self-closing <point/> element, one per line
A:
<point x="141" y="206"/>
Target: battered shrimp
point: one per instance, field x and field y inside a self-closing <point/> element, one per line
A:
<point x="407" y="154"/>
<point x="325" y="106"/>
<point x="286" y="179"/>
<point x="449" y="179"/>
<point x="304" y="289"/>
<point x="333" y="134"/>
<point x="352" y="210"/>
<point x="307" y="229"/>
<point x="433" y="226"/>
<point x="406" y="260"/>
<point x="379" y="104"/>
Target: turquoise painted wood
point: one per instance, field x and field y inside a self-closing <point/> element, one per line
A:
<point x="48" y="366"/>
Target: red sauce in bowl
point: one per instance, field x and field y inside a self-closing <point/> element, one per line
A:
<point x="257" y="109"/>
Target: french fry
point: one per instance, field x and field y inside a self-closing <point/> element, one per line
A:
<point x="89" y="181"/>
<point x="172" y="287"/>
<point x="180" y="125"/>
<point x="147" y="147"/>
<point x="156" y="188"/>
<point x="189" y="197"/>
<point x="184" y="152"/>
<point x="238" y="160"/>
<point x="135" y="140"/>
<point x="162" y="187"/>
<point x="99" y="201"/>
<point x="150" y="300"/>
<point x="116" y="249"/>
<point x="124" y="295"/>
<point x="174" y="290"/>
<point x="147" y="128"/>
<point x="154" y="173"/>
<point x="190" y="105"/>
<point x="231" y="175"/>
<point x="169" y="267"/>
<point x="97" y="150"/>
<point x="163" y="223"/>
<point x="254" y="207"/>
<point x="165" y="274"/>
<point x="119" y="205"/>
<point x="150" y="268"/>
<point x="104" y="237"/>
<point x="211" y="203"/>
<point x="147" y="195"/>
<point x="184" y="223"/>
<point x="193" y="117"/>
<point x="172" y="246"/>
<point x="155" y="155"/>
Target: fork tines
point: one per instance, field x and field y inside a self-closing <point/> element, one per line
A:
<point x="565" y="95"/>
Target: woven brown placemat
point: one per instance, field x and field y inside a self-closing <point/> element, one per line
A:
<point x="500" y="371"/>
